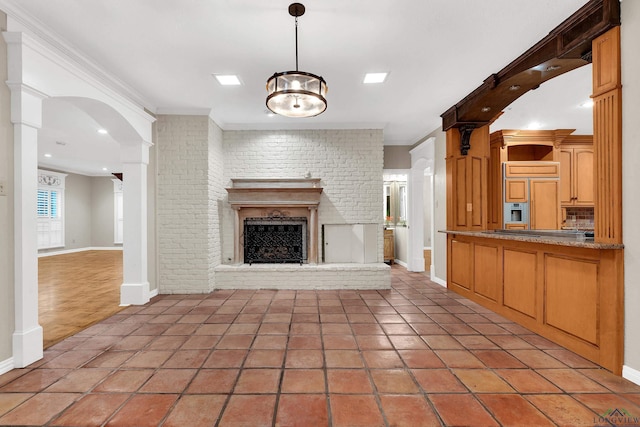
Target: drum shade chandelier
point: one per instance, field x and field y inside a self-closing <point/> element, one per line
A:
<point x="296" y="93"/>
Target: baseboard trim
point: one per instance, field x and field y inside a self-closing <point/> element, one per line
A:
<point x="439" y="281"/>
<point x="153" y="293"/>
<point x="6" y="365"/>
<point x="631" y="374"/>
<point x="72" y="251"/>
<point x="402" y="263"/>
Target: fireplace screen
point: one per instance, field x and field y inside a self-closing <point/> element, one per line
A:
<point x="275" y="240"/>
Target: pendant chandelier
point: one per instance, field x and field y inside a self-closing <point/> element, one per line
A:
<point x="296" y="93"/>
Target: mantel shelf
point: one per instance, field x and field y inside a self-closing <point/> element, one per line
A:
<point x="274" y="192"/>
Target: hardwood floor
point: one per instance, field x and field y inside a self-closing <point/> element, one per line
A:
<point x="77" y="290"/>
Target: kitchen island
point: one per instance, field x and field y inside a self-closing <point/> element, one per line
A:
<point x="560" y="285"/>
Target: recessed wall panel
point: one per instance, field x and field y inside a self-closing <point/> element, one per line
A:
<point x="485" y="272"/>
<point x="519" y="281"/>
<point x="571" y="296"/>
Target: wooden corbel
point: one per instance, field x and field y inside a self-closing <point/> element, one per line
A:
<point x="465" y="138"/>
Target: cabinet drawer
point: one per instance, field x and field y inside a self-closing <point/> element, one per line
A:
<point x="530" y="169"/>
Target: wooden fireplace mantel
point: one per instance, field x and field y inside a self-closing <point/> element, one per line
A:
<point x="251" y="198"/>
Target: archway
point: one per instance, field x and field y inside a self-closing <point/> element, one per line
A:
<point x="421" y="161"/>
<point x="37" y="72"/>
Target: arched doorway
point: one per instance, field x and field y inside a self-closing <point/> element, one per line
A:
<point x="421" y="161"/>
<point x="36" y="72"/>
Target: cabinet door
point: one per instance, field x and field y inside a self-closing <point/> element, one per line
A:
<point x="544" y="208"/>
<point x="337" y="241"/>
<point x="566" y="176"/>
<point x="516" y="191"/>
<point x="583" y="177"/>
<point x="389" y="244"/>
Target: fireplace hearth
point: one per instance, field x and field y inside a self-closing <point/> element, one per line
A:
<point x="275" y="240"/>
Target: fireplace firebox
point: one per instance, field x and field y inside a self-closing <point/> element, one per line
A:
<point x="275" y="240"/>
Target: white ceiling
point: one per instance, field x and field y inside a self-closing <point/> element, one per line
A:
<point x="165" y="52"/>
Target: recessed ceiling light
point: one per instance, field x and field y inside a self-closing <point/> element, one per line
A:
<point x="485" y="109"/>
<point x="587" y="104"/>
<point x="513" y="88"/>
<point x="553" y="67"/>
<point x="227" y="79"/>
<point x="48" y="155"/>
<point x="104" y="169"/>
<point x="374" y="78"/>
<point x="102" y="131"/>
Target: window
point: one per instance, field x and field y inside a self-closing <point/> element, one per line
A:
<point x="50" y="210"/>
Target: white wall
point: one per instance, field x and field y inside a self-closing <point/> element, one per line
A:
<point x="7" y="316"/>
<point x="349" y="163"/>
<point x="630" y="39"/>
<point x="102" y="212"/>
<point x="77" y="211"/>
<point x="401" y="244"/>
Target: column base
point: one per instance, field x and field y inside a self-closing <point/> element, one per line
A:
<point x="134" y="293"/>
<point x="416" y="265"/>
<point x="27" y="347"/>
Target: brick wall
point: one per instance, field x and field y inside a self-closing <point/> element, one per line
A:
<point x="183" y="194"/>
<point x="217" y="194"/>
<point x="349" y="162"/>
<point x="196" y="161"/>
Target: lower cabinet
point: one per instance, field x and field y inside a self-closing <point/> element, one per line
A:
<point x="568" y="294"/>
<point x="389" y="245"/>
<point x="350" y="243"/>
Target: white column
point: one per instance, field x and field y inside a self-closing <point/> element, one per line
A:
<point x="26" y="116"/>
<point x="237" y="233"/>
<point x="135" y="286"/>
<point x="312" y="256"/>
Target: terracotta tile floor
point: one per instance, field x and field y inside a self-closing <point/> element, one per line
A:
<point x="416" y="355"/>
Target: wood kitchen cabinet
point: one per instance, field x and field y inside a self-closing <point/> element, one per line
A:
<point x="516" y="190"/>
<point x="576" y="172"/>
<point x="544" y="209"/>
<point x="568" y="294"/>
<point x="389" y="246"/>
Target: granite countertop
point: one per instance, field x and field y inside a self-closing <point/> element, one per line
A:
<point x="548" y="237"/>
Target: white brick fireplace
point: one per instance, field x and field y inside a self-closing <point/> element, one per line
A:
<point x="196" y="222"/>
<point x="255" y="199"/>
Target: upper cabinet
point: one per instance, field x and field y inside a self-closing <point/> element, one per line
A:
<point x="518" y="145"/>
<point x="576" y="171"/>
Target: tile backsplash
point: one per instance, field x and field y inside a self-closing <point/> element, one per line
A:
<point x="579" y="217"/>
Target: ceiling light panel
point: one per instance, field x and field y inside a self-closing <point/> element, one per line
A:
<point x="370" y="78"/>
<point x="227" y="79"/>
